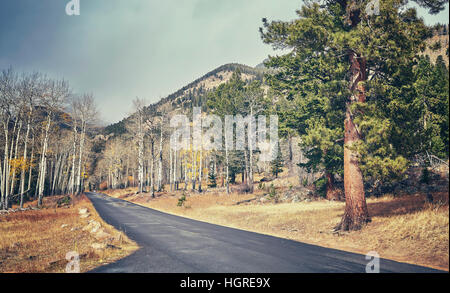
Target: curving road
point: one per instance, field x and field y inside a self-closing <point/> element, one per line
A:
<point x="172" y="244"/>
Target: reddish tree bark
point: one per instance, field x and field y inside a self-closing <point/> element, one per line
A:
<point x="356" y="213"/>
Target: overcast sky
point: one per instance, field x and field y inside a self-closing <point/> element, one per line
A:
<point x="119" y="49"/>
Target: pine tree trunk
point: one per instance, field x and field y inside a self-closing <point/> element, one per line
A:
<point x="356" y="213"/>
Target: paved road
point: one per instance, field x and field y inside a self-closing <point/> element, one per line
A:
<point x="172" y="244"/>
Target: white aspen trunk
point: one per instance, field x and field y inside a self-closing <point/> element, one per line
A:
<point x="160" y="159"/>
<point x="175" y="187"/>
<point x="152" y="176"/>
<point x="42" y="184"/>
<point x="246" y="166"/>
<point x="83" y="171"/>
<point x="59" y="182"/>
<point x="194" y="167"/>
<point x="250" y="147"/>
<point x="147" y="175"/>
<point x="127" y="172"/>
<point x="186" y="180"/>
<point x="16" y="151"/>
<point x="74" y="153"/>
<point x="200" y="171"/>
<point x="43" y="161"/>
<point x="1" y="187"/>
<point x="30" y="170"/>
<point x="65" y="181"/>
<point x="56" y="173"/>
<point x="8" y="169"/>
<point x="50" y="175"/>
<point x="170" y="168"/>
<point x="80" y="156"/>
<point x="108" y="180"/>
<point x="227" y="179"/>
<point x="140" y="154"/>
<point x="22" y="174"/>
<point x="4" y="187"/>
<point x="5" y="161"/>
<point x="58" y="186"/>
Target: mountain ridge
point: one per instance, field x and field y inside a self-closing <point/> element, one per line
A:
<point x="193" y="92"/>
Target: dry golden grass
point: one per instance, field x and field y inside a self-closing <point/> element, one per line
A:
<point x="405" y="228"/>
<point x="35" y="241"/>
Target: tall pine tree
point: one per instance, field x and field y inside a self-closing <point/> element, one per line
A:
<point x="349" y="71"/>
<point x="277" y="162"/>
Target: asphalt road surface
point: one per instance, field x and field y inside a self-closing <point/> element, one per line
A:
<point x="172" y="244"/>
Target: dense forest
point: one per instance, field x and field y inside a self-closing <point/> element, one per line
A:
<point x="362" y="93"/>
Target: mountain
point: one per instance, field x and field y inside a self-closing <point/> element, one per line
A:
<point x="194" y="93"/>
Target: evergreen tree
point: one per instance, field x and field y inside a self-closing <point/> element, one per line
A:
<point x="212" y="177"/>
<point x="277" y="163"/>
<point x="432" y="104"/>
<point x="349" y="73"/>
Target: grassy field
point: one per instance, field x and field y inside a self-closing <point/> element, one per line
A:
<point x="37" y="240"/>
<point x="403" y="228"/>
